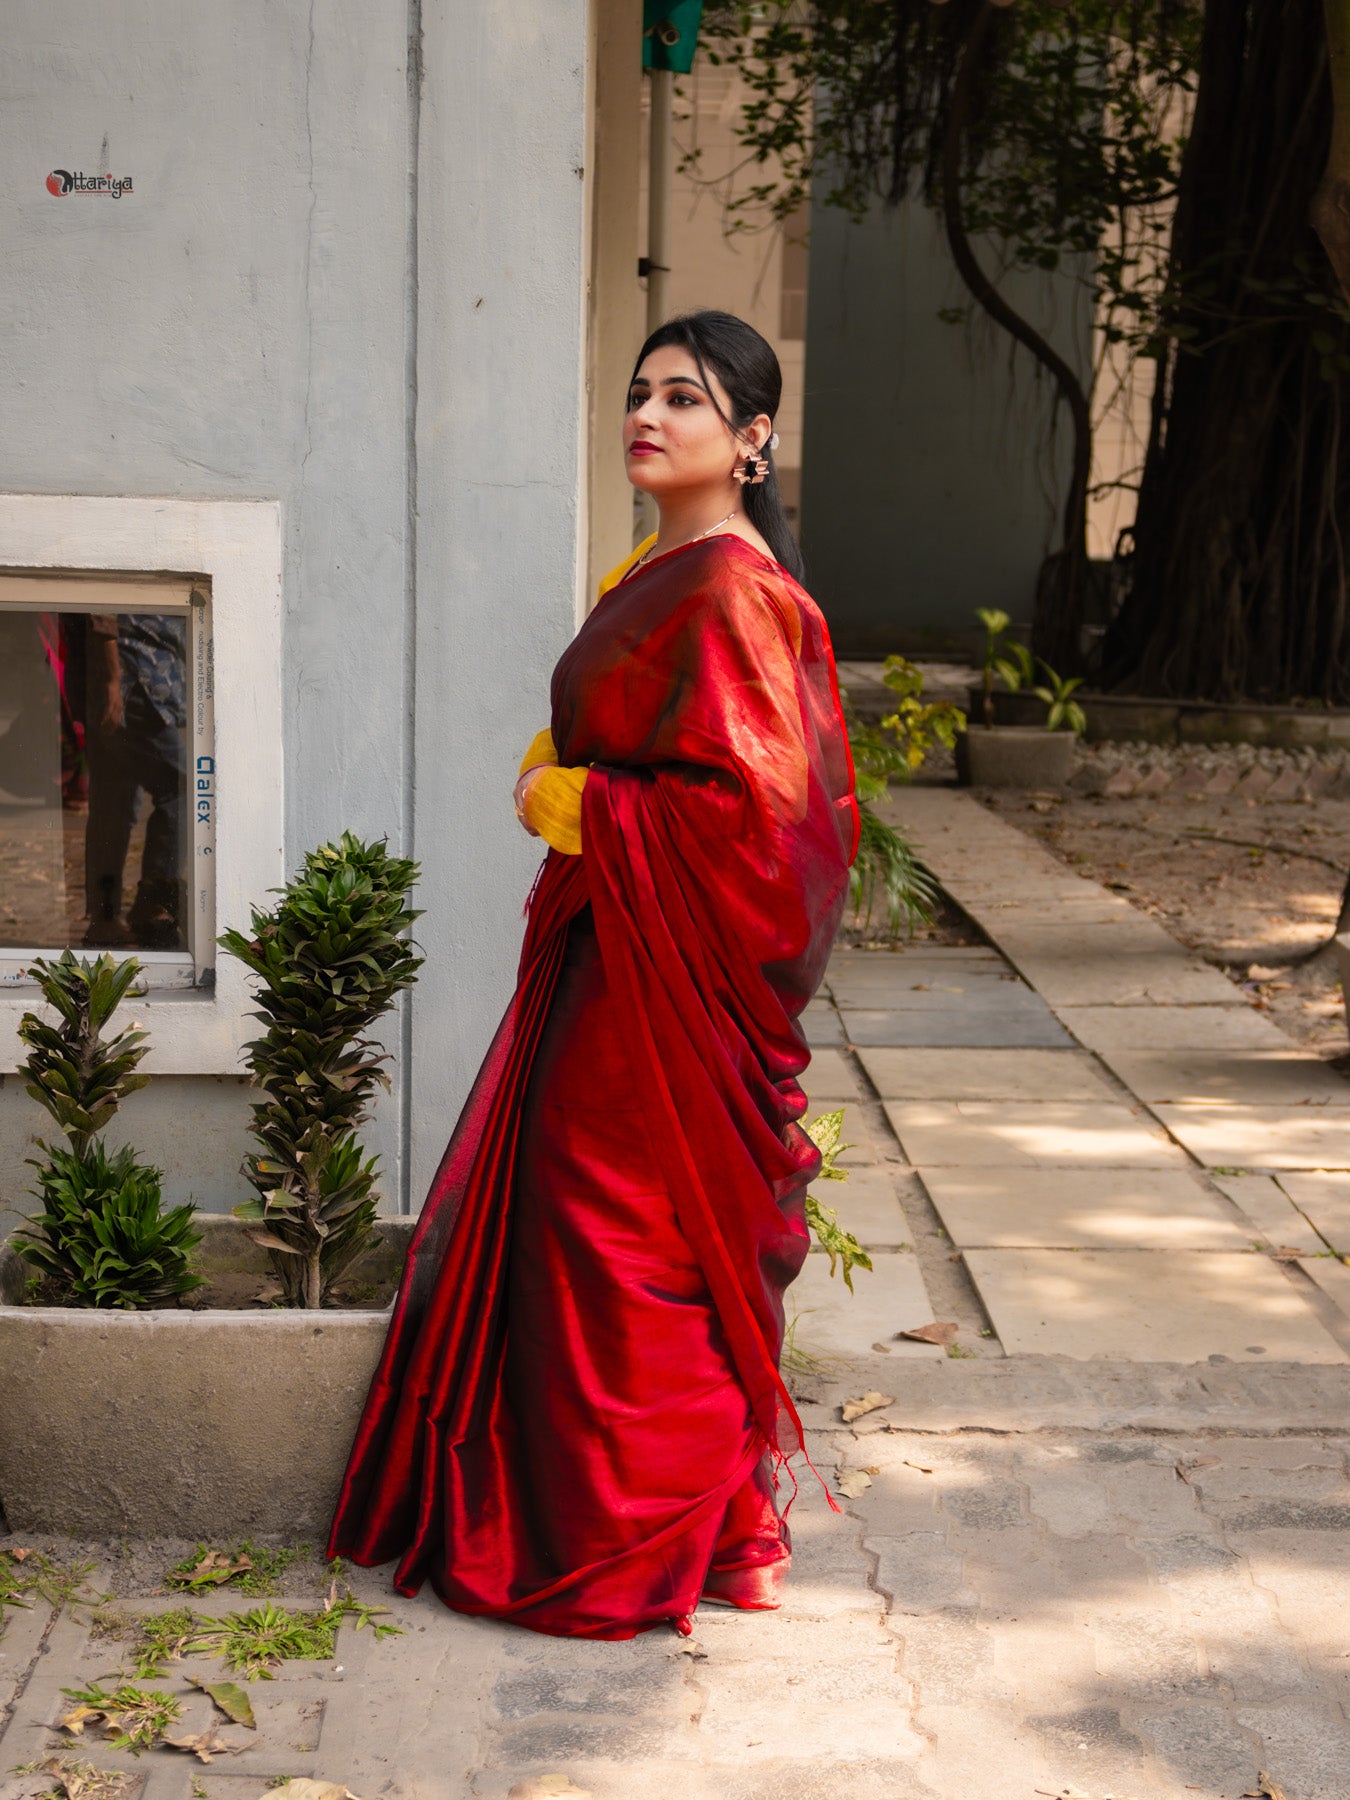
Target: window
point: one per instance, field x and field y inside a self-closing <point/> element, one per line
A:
<point x="107" y="771"/>
<point x="122" y="615"/>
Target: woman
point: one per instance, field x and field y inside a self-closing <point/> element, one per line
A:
<point x="578" y="1418"/>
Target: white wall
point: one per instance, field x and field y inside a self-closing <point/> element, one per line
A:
<point x="928" y="488"/>
<point x="360" y="295"/>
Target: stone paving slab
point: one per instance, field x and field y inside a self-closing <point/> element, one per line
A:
<point x="1261" y="1137"/>
<point x="1122" y="980"/>
<point x="1272" y="1212"/>
<point x="1148" y="1306"/>
<point x="1333" y="1277"/>
<point x="820" y="1022"/>
<point x="1112" y="1209"/>
<point x="1012" y="1134"/>
<point x="829" y="1079"/>
<point x="997" y="994"/>
<point x="1195" y="1077"/>
<point x="1028" y="1025"/>
<point x="1110" y="1030"/>
<point x="1325" y="1199"/>
<point x="867" y="1205"/>
<point x="831" y="1323"/>
<point x="945" y="1074"/>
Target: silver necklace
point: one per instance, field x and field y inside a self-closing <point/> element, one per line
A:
<point x="685" y="545"/>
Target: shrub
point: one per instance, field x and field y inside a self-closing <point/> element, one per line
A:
<point x="885" y="870"/>
<point x="102" y="1238"/>
<point x="330" y="958"/>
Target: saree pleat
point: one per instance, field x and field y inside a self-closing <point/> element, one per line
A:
<point x="577" y="1416"/>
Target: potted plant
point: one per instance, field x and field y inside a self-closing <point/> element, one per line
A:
<point x="153" y="1384"/>
<point x="330" y="959"/>
<point x="1024" y="755"/>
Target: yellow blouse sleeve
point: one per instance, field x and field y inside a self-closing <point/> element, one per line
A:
<point x="542" y="750"/>
<point x="552" y="806"/>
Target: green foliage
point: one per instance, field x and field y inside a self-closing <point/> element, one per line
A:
<point x="25" y="1574"/>
<point x="843" y="1249"/>
<point x="103" y="1239"/>
<point x="1016" y="667"/>
<point x="885" y="869"/>
<point x="330" y="959"/>
<point x="133" y="1718"/>
<point x="917" y="724"/>
<point x="1072" y="155"/>
<point x="1065" y="714"/>
<point x="253" y="1644"/>
<point x="887" y="872"/>
<point x="69" y="1069"/>
<point x="247" y="1568"/>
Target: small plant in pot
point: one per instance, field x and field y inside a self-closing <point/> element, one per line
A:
<point x="102" y="1238"/>
<point x="1021" y="755"/>
<point x="331" y="957"/>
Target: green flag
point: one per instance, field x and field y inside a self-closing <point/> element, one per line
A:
<point x="670" y="34"/>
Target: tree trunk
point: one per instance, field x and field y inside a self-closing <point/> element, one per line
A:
<point x="1239" y="586"/>
<point x="1061" y="589"/>
<point x="1331" y="202"/>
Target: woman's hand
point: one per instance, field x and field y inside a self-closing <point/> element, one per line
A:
<point x="522" y="787"/>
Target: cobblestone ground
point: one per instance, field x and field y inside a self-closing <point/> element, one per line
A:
<point x="1148" y="1612"/>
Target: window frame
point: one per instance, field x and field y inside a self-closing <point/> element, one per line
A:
<point x="189" y="598"/>
<point x="233" y="548"/>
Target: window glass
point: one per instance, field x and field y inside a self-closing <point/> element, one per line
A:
<point x="107" y="774"/>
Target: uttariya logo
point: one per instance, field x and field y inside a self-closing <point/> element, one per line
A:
<point x="62" y="181"/>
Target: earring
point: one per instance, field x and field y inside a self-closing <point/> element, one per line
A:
<point x="752" y="471"/>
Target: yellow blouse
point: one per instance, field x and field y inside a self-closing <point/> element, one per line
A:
<point x="552" y="803"/>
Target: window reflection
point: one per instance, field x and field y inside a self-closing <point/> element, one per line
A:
<point x="94" y="843"/>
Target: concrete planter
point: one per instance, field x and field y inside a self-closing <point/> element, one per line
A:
<point x="1014" y="756"/>
<point x="1130" y="718"/>
<point x="183" y="1424"/>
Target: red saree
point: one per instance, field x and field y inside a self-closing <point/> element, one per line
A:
<point x="573" y="1422"/>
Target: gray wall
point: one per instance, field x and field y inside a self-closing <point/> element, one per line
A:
<point x="359" y="294"/>
<point x="929" y="486"/>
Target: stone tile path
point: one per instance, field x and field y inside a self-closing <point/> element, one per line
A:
<point x="1097" y="1547"/>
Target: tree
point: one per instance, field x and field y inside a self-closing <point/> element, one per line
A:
<point x="1168" y="151"/>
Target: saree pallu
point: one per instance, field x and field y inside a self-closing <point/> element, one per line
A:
<point x="578" y="1407"/>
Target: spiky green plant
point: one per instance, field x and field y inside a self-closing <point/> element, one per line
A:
<point x="70" y="1070"/>
<point x="330" y="959"/>
<point x="102" y="1238"/>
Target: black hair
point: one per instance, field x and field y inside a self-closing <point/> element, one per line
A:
<point x="748" y="370"/>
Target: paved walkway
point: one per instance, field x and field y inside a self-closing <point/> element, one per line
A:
<point x="1097" y="1545"/>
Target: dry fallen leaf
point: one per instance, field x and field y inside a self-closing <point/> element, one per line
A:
<point x="923" y="1468"/>
<point x="75" y="1722"/>
<point x="213" y="1568"/>
<point x="692" y="1649"/>
<point x="81" y="1781"/>
<point x="1267" y="1788"/>
<point x="205" y="1744"/>
<point x="941" y="1331"/>
<point x="18" y="1555"/>
<point x="544" y="1787"/>
<point x="230" y="1698"/>
<point x="865" y="1403"/>
<point x="853" y="1482"/>
<point x="305" y="1789"/>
